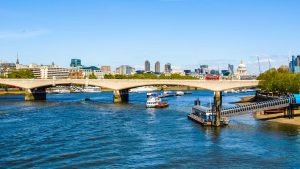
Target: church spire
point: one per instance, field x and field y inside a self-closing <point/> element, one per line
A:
<point x="17" y="62"/>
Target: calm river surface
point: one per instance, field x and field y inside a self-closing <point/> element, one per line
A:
<point x="67" y="132"/>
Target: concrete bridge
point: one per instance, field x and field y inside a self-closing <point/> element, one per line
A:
<point x="35" y="89"/>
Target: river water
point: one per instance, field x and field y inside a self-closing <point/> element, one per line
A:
<point x="67" y="132"/>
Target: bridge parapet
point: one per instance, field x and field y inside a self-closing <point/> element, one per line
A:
<point x="119" y="84"/>
<point x="125" y="84"/>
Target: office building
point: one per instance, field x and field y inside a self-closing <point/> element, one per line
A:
<point x="75" y="63"/>
<point x="230" y="69"/>
<point x="90" y="67"/>
<point x="294" y="65"/>
<point x="80" y="73"/>
<point x="147" y="66"/>
<point x="214" y="72"/>
<point x="187" y="72"/>
<point x="106" y="69"/>
<point x="225" y="72"/>
<point x="203" y="66"/>
<point x="168" y="68"/>
<point x="204" y="69"/>
<point x="157" y="67"/>
<point x="139" y="72"/>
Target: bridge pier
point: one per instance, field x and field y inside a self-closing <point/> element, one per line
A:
<point x="218" y="106"/>
<point x="35" y="94"/>
<point x="121" y="96"/>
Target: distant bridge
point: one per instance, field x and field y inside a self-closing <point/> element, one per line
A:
<point x="35" y="88"/>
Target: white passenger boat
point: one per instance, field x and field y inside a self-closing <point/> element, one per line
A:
<point x="245" y="90"/>
<point x="143" y="89"/>
<point x="155" y="102"/>
<point x="91" y="89"/>
<point x="60" y="91"/>
<point x="231" y="91"/>
<point x="149" y="94"/>
<point x="179" y="93"/>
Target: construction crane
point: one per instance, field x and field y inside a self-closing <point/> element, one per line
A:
<point x="269" y="63"/>
<point x="259" y="68"/>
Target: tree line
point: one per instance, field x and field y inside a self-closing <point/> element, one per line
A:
<point x="20" y="74"/>
<point x="279" y="80"/>
<point x="148" y="76"/>
<point x="28" y="74"/>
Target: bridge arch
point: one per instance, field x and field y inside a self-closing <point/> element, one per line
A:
<point x="155" y="84"/>
<point x="67" y="83"/>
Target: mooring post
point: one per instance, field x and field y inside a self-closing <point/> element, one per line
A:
<point x="292" y="111"/>
<point x="285" y="112"/>
<point x="218" y="106"/>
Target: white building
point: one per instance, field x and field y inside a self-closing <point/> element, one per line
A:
<point x="125" y="70"/>
<point x="54" y="73"/>
<point x="178" y="71"/>
<point x="97" y="73"/>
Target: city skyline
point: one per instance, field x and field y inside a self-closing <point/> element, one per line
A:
<point x="186" y="33"/>
<point x="76" y="63"/>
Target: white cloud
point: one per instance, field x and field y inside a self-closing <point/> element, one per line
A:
<point x="22" y="34"/>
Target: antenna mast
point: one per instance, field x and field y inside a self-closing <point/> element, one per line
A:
<point x="269" y="63"/>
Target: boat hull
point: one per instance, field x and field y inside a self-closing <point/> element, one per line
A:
<point x="199" y="120"/>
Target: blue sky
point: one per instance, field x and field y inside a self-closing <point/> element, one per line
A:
<point x="186" y="33"/>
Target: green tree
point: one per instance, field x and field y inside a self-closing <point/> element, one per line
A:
<point x="92" y="76"/>
<point x="283" y="69"/>
<point x="21" y="74"/>
<point x="109" y="76"/>
<point x="148" y="76"/>
<point x="279" y="81"/>
<point x="120" y="77"/>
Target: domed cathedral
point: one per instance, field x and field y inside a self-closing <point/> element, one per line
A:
<point x="241" y="71"/>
